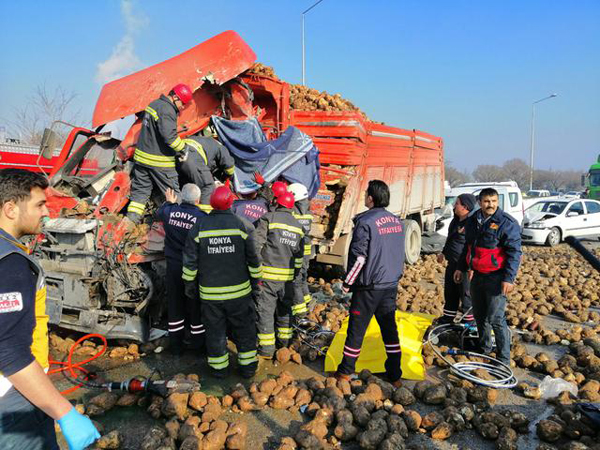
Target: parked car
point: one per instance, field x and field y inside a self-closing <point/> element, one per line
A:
<point x="572" y="194"/>
<point x="550" y="221"/>
<point x="538" y="193"/>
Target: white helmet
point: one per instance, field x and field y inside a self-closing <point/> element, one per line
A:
<point x="299" y="190"/>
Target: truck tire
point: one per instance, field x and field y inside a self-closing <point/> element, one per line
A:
<point x="412" y="241"/>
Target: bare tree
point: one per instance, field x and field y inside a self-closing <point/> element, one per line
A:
<point x="39" y="110"/>
<point x="455" y="176"/>
<point x="518" y="170"/>
<point x="487" y="172"/>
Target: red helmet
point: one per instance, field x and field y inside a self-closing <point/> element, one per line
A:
<point x="279" y="188"/>
<point x="184" y="93"/>
<point x="222" y="198"/>
<point x="286" y="200"/>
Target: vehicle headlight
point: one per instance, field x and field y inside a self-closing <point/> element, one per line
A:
<point x="537" y="225"/>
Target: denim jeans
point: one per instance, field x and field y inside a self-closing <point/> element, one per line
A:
<point x="26" y="427"/>
<point x="489" y="307"/>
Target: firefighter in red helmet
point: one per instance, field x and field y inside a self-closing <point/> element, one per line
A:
<point x="157" y="147"/>
<point x="221" y="269"/>
<point x="280" y="242"/>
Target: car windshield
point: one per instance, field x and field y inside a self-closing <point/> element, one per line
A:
<point x="549" y="207"/>
<point x="595" y="178"/>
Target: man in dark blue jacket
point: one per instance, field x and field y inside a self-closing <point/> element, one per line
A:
<point x="456" y="294"/>
<point x="375" y="265"/>
<point x="493" y="254"/>
<point x="178" y="220"/>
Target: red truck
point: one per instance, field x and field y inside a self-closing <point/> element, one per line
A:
<point x="103" y="280"/>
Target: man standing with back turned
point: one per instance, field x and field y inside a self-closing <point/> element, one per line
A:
<point x="493" y="253"/>
<point x="29" y="402"/>
<point x="375" y="265"/>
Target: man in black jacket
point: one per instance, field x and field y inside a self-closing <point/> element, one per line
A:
<point x="220" y="260"/>
<point x="157" y="146"/>
<point x="456" y="294"/>
<point x="375" y="265"/>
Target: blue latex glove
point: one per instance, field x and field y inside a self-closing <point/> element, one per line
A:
<point x="78" y="430"/>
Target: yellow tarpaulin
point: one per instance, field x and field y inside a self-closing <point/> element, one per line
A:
<point x="411" y="328"/>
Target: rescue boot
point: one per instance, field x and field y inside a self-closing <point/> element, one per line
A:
<point x="247" y="372"/>
<point x="444" y="320"/>
<point x="219" y="373"/>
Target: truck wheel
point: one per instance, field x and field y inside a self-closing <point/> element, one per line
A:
<point x="553" y="238"/>
<point x="412" y="241"/>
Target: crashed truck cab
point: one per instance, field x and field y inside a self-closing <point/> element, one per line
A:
<point x="102" y="277"/>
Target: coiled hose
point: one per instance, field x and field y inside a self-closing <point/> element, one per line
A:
<point x="503" y="374"/>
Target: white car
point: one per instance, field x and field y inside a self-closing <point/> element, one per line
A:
<point x="550" y="221"/>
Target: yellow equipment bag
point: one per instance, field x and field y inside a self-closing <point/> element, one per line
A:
<point x="411" y="329"/>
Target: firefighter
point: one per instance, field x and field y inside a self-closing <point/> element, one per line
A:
<point x="250" y="206"/>
<point x="302" y="213"/>
<point x="375" y="265"/>
<point x="456" y="294"/>
<point x="157" y="147"/>
<point x="279" y="238"/>
<point x="178" y="220"/>
<point x="29" y="402"/>
<point x="207" y="160"/>
<point x="493" y="254"/>
<point x="221" y="262"/>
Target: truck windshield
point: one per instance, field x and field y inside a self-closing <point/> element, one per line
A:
<point x="595" y="178"/>
<point x="91" y="159"/>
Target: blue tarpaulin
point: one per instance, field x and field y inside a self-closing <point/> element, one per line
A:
<point x="292" y="156"/>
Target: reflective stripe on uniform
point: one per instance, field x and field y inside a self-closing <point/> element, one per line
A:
<point x="246" y="358"/>
<point x="307" y="298"/>
<point x="136" y="208"/>
<point x="307" y="249"/>
<point x="225" y="292"/>
<point x="188" y="274"/>
<point x="153" y="160"/>
<point x="277" y="274"/>
<point x="303" y="216"/>
<point x="285" y="226"/>
<point x="152" y="112"/>
<point x="196" y="145"/>
<point x="300" y="308"/>
<point x="219" y="362"/>
<point x="206" y="208"/>
<point x="216" y="233"/>
<point x="266" y="339"/>
<point x="284" y="333"/>
<point x="177" y="144"/>
<point x="255" y="272"/>
<point x="298" y="263"/>
<point x="230" y="170"/>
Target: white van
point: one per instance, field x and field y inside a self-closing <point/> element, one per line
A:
<point x="510" y="200"/>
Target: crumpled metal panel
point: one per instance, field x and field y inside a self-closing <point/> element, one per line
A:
<point x="217" y="60"/>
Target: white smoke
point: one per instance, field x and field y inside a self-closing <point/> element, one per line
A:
<point x="123" y="59"/>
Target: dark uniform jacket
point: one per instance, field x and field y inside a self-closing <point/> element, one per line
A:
<point x="221" y="255"/>
<point x="23" y="318"/>
<point x="251" y="210"/>
<point x="455" y="242"/>
<point x="302" y="214"/>
<point x="280" y="240"/>
<point x="376" y="254"/>
<point x="178" y="220"/>
<point x="492" y="245"/>
<point x="214" y="154"/>
<point x="158" y="141"/>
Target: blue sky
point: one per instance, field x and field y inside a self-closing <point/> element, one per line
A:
<point x="464" y="70"/>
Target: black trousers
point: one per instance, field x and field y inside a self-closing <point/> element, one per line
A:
<point x="143" y="180"/>
<point x="237" y="315"/>
<point x="456" y="295"/>
<point x="274" y="307"/>
<point x="365" y="304"/>
<point x="193" y="170"/>
<point x="182" y="311"/>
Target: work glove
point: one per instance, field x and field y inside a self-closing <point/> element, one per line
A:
<point x="182" y="155"/>
<point x="191" y="290"/>
<point x="78" y="430"/>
